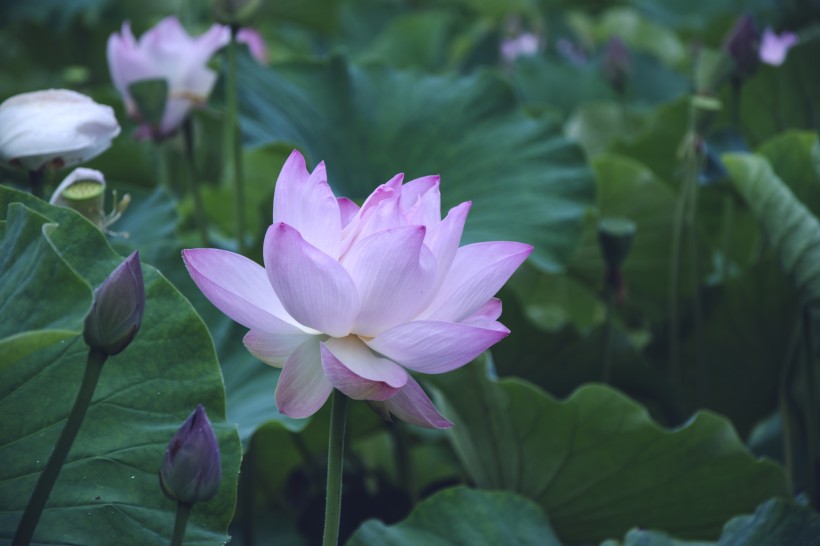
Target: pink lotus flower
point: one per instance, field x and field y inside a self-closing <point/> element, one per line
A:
<point x="166" y="51"/>
<point x="351" y="298"/>
<point x="773" y="47"/>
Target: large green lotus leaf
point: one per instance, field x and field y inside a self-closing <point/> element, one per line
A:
<point x="775" y="522"/>
<point x="597" y="464"/>
<point x="107" y="492"/>
<point x="795" y="158"/>
<point x="32" y="272"/>
<point x="793" y="231"/>
<point x="527" y="182"/>
<point x="464" y="517"/>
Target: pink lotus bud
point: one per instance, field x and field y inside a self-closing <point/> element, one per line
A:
<point x="773" y="47"/>
<point x="522" y="45"/>
<point x="54" y="128"/>
<point x="116" y="314"/>
<point x="166" y="51"/>
<point x="192" y="470"/>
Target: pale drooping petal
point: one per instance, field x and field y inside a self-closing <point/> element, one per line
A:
<point x="478" y="272"/>
<point x="240" y="288"/>
<point x="412" y="405"/>
<point x="56" y="128"/>
<point x="255" y="42"/>
<point x="303" y="387"/>
<point x="305" y="202"/>
<point x="437" y="347"/>
<point x="273" y="348"/>
<point x="313" y="287"/>
<point x="353" y="369"/>
<point x="393" y="272"/>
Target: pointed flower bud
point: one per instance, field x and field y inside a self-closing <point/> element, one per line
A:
<point x="615" y="236"/>
<point x="54" y="128"/>
<point x="743" y="45"/>
<point x="116" y="313"/>
<point x="192" y="470"/>
<point x="617" y="65"/>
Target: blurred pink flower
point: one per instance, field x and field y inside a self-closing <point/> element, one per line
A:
<point x="351" y="298"/>
<point x="166" y="51"/>
<point x="54" y="128"/>
<point x="255" y="42"/>
<point x="773" y="47"/>
<point x="521" y="45"/>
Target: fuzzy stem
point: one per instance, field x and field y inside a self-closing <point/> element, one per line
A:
<point x="36" y="179"/>
<point x="232" y="140"/>
<point x="45" y="483"/>
<point x="609" y="335"/>
<point x="813" y="452"/>
<point x="199" y="207"/>
<point x="180" y="522"/>
<point x="335" y="458"/>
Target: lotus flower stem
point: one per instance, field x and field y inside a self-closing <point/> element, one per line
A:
<point x="609" y="334"/>
<point x="233" y="142"/>
<point x="335" y="458"/>
<point x="39" y="497"/>
<point x="199" y="207"/>
<point x="180" y="522"/>
<point x="36" y="179"/>
<point x="810" y="385"/>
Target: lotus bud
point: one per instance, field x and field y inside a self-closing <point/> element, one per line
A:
<point x="191" y="470"/>
<point x="54" y="128"/>
<point x="743" y="46"/>
<point x="116" y="313"/>
<point x="617" y="65"/>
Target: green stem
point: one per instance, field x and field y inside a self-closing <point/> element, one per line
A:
<point x="609" y="335"/>
<point x="181" y="520"/>
<point x="39" y="497"/>
<point x="813" y="453"/>
<point x="233" y="143"/>
<point x="36" y="179"/>
<point x="401" y="449"/>
<point x="335" y="458"/>
<point x="694" y="262"/>
<point x="188" y="137"/>
<point x="674" y="281"/>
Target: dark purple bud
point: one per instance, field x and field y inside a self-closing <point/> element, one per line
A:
<point x="192" y="470"/>
<point x="617" y="64"/>
<point x="743" y="46"/>
<point x="116" y="313"/>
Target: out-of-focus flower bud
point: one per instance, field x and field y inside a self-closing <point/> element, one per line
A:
<point x="774" y="47"/>
<point x="617" y="65"/>
<point x="192" y="470"/>
<point x="116" y="313"/>
<point x="234" y="11"/>
<point x="54" y="128"/>
<point x="522" y="45"/>
<point x="743" y="46"/>
<point x="84" y="191"/>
